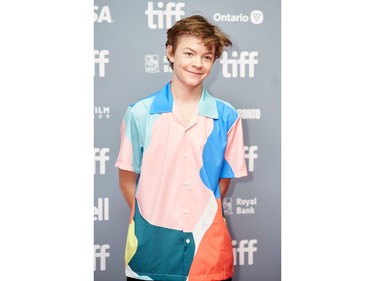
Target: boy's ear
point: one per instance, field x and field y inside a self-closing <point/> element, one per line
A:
<point x="170" y="53"/>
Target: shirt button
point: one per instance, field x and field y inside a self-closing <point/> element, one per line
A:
<point x="188" y="241"/>
<point x="187" y="155"/>
<point x="186" y="185"/>
<point x="186" y="211"/>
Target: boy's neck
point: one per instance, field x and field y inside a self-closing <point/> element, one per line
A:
<point x="182" y="93"/>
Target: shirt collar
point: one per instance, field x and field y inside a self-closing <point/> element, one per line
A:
<point x="163" y="102"/>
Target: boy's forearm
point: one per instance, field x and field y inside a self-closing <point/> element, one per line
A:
<point x="128" y="183"/>
<point x="224" y="185"/>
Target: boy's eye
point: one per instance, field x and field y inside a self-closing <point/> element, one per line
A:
<point x="208" y="58"/>
<point x="188" y="54"/>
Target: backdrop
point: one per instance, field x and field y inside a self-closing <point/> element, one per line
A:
<point x="130" y="63"/>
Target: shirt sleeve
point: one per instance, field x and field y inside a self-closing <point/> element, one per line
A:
<point x="130" y="153"/>
<point x="234" y="164"/>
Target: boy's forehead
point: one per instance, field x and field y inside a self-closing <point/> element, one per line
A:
<point x="192" y="42"/>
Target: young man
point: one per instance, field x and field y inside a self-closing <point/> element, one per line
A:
<point x="179" y="149"/>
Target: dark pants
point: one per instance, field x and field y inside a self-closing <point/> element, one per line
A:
<point x="132" y="279"/>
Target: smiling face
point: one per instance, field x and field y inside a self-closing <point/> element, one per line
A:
<point x="192" y="61"/>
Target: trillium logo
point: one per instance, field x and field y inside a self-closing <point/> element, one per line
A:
<point x="256" y="17"/>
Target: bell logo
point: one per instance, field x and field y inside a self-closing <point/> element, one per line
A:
<point x="101" y="212"/>
<point x="239" y="67"/>
<point x="162" y="17"/>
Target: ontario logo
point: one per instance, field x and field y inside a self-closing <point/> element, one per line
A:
<point x="255" y="17"/>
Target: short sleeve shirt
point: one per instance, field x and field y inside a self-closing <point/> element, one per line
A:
<point x="177" y="231"/>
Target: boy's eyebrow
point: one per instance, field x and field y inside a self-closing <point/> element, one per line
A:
<point x="194" y="51"/>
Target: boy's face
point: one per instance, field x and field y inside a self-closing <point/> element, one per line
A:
<point x="192" y="61"/>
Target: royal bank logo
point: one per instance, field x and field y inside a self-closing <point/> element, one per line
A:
<point x="153" y="63"/>
<point x="246" y="206"/>
<point x="239" y="206"/>
<point x="228" y="206"/>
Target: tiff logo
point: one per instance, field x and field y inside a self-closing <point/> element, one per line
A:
<point x="101" y="254"/>
<point x="251" y="155"/>
<point x="101" y="59"/>
<point x="101" y="156"/>
<point x="244" y="247"/>
<point x="162" y="17"/>
<point x="239" y="67"/>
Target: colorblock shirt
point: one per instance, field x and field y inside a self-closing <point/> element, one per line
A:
<point x="177" y="231"/>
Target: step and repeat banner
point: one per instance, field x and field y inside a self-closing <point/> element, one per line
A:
<point x="130" y="63"/>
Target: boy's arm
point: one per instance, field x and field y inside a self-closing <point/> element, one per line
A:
<point x="128" y="183"/>
<point x="224" y="184"/>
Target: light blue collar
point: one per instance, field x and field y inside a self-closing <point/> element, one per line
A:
<point x="163" y="102"/>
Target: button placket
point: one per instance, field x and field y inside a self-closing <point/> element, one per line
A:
<point x="186" y="181"/>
